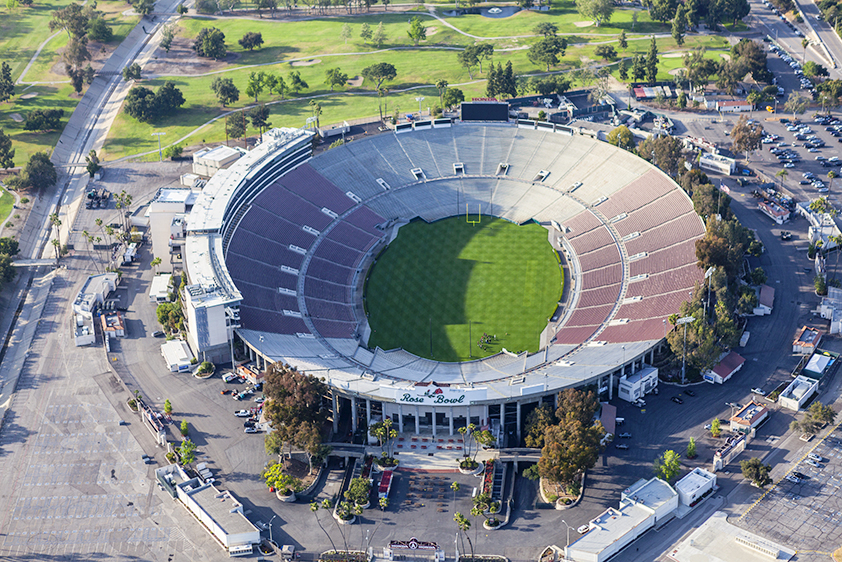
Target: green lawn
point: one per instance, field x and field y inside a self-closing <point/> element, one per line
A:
<point x="443" y="285"/>
<point x="6" y="202"/>
<point x="22" y="30"/>
<point x="26" y="143"/>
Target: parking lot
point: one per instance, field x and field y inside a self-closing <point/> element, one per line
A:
<point x="806" y="515"/>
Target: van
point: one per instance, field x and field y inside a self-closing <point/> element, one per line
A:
<point x="620" y="421"/>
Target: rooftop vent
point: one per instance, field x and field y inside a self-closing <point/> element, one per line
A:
<point x="310" y="230"/>
<point x="517" y="380"/>
<point x="288" y="269"/>
<point x="574" y="187"/>
<point x="599" y="201"/>
<point x="418" y="173"/>
<point x="458" y="168"/>
<point x="293" y="313"/>
<point x="298" y="249"/>
<point x="502" y="169"/>
<point x="329" y="213"/>
<point x="353" y="197"/>
<point x="541" y="175"/>
<point x="382" y="183"/>
<point x="640" y="277"/>
<point x="630" y="300"/>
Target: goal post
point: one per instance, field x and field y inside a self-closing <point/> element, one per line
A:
<point x="477" y="218"/>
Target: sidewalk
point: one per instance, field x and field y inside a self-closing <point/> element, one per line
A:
<point x="17" y="349"/>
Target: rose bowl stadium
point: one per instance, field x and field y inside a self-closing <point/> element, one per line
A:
<point x="280" y="247"/>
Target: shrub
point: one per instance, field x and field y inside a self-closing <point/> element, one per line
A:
<point x="184" y="428"/>
<point x="193" y="360"/>
<point x="24" y="200"/>
<point x="173" y="151"/>
<point x="206" y="7"/>
<point x="98" y="30"/>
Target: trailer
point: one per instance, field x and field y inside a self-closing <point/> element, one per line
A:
<point x="385" y="485"/>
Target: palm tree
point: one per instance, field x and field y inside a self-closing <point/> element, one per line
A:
<point x="56" y="222"/>
<point x="155" y="263"/>
<point x="464" y="525"/>
<point x="56" y="244"/>
<point x="455" y="487"/>
<point x="314" y="509"/>
<point x="782" y="174"/>
<point x="805" y="43"/>
<point x="441" y="86"/>
<point x="831" y="174"/>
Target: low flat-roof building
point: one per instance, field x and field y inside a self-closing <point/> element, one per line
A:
<point x="208" y="161"/>
<point x="636" y="385"/>
<point x="643" y="505"/>
<point x="774" y="211"/>
<point x="717" y="163"/>
<point x="798" y="392"/>
<point x="716" y="540"/>
<point x="83" y="330"/>
<point x="94" y="292"/>
<point x="159" y="289"/>
<point x="749" y="417"/>
<point x="694" y="486"/>
<point x="725" y="369"/>
<point x="177" y="355"/>
<point x="807" y="340"/>
<point x="112" y="324"/>
<point x="735" y="106"/>
<point x="819" y="364"/>
<point x="831" y="309"/>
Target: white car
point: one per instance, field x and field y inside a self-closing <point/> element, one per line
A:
<point x="758" y="391"/>
<point x="251" y="430"/>
<point x="813" y="463"/>
<point x="815" y="457"/>
<point x="793" y="479"/>
<point x="789" y="165"/>
<point x="242" y="414"/>
<point x="584" y="529"/>
<point x="260" y="399"/>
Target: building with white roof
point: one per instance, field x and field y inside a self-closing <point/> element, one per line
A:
<point x="692" y="487"/>
<point x="159" y="289"/>
<point x="636" y="385"/>
<point x="749" y="417"/>
<point x="807" y="340"/>
<point x="831" y="309"/>
<point x="716" y="540"/>
<point x="94" y="292"/>
<point x="177" y="355"/>
<point x="208" y="161"/>
<point x="167" y="213"/>
<point x="774" y="211"/>
<point x="717" y="163"/>
<point x="644" y="505"/>
<point x="798" y="392"/>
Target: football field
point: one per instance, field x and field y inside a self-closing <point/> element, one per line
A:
<point x="455" y="291"/>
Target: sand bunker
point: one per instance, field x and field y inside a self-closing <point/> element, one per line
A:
<point x="310" y="62"/>
<point x="677" y="71"/>
<point x="356" y="81"/>
<point x="583" y="23"/>
<point x="432" y="31"/>
<point x="16" y="117"/>
<point x="29" y="96"/>
<point x="673" y="55"/>
<point x="725" y="56"/>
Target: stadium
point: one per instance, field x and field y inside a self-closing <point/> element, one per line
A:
<point x="280" y="245"/>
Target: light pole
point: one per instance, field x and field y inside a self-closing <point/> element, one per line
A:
<point x="419" y="99"/>
<point x="270" y="529"/>
<point x="708" y="274"/>
<point x="686" y="320"/>
<point x="160" y="155"/>
<point x="568" y="534"/>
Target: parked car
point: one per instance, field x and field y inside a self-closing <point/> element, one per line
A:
<point x="786" y="235"/>
<point x="242" y="414"/>
<point x="622" y="446"/>
<point x="625" y="435"/>
<point x="248" y="423"/>
<point x="813" y="463"/>
<point x="799" y="475"/>
<point x="158" y="334"/>
<point x="707" y="427"/>
<point x="794" y="479"/>
<point x="677" y="400"/>
<point x="690" y="393"/>
<point x="760" y="390"/>
<point x="251" y="430"/>
<point x="584" y="529"/>
<point x="815" y="457"/>
<point x="226" y="391"/>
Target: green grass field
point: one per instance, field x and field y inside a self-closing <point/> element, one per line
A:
<point x="441" y="286"/>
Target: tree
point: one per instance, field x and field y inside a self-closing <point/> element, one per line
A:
<point x="7" y="84"/>
<point x="546" y="29"/>
<point x="623" y="70"/>
<point x="754" y="470"/>
<point x="385" y="434"/>
<point x="345" y="33"/>
<point x="621" y="137"/>
<point x="296" y="84"/>
<point x="537" y="423"/>
<point x="746" y="136"/>
<point x="379" y="36"/>
<point x="597" y="10"/>
<point x="821" y="413"/>
<point x="464" y="525"/>
<point x="365" y="32"/>
<point x="140" y="103"/>
<point x="379" y="73"/>
<point x="184" y="428"/>
<point x="758" y="276"/>
<point x="225" y="90"/>
<point x="167" y="35"/>
<point x="210" y="43"/>
<point x="167" y="406"/>
<point x="453" y="97"/>
<point x="691" y="448"/>
<point x="275" y="84"/>
<point x="668" y="465"/>
<point x="275" y="478"/>
<point x="638" y="69"/>
<point x="468" y="59"/>
<point x="812" y="70"/>
<point x="335" y="77"/>
<point x="622" y="42"/>
<point x="100" y="31"/>
<point x="662" y="10"/>
<point x="484" y="51"/>
<point x="796" y="103"/>
<point x="664" y="152"/>
<point x="187" y="450"/>
<point x="736" y="9"/>
<point x="131" y="72"/>
<point x="699" y="68"/>
<point x="545" y="51"/>
<point x="9" y="246"/>
<point x="251" y="40"/>
<point x="293" y="397"/>
<point x="441" y="86"/>
<point x="417" y="32"/>
<point x="831" y="175"/>
<point x="155" y="263"/>
<point x="606" y="52"/>
<point x="256" y="84"/>
<point x="168" y="98"/>
<point x="652" y="63"/>
<point x="679" y="25"/>
<point x="43" y="119"/>
<point x="751" y="55"/>
<point x="715" y="427"/>
<point x="73" y="19"/>
<point x="144" y="7"/>
<point x="92" y="163"/>
<point x="259" y="116"/>
<point x="39" y="172"/>
<point x="569" y="448"/>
